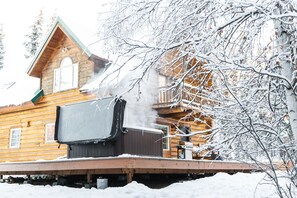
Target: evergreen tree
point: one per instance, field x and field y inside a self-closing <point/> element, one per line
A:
<point x="2" y="51"/>
<point x="51" y="21"/>
<point x="34" y="38"/>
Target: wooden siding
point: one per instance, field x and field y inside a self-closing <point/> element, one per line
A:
<point x="173" y="123"/>
<point x="66" y="48"/>
<point x="193" y="81"/>
<point x="176" y="65"/>
<point x="174" y="104"/>
<point x="32" y="121"/>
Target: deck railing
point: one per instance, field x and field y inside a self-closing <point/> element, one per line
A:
<point x="172" y="95"/>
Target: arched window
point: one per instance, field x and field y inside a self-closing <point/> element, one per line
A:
<point x="66" y="62"/>
<point x="66" y="76"/>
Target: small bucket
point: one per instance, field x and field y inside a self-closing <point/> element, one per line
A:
<point x="102" y="183"/>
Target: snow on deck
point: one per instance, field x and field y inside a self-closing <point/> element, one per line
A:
<point x="152" y="130"/>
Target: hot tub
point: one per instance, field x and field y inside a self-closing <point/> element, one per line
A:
<point x="95" y="129"/>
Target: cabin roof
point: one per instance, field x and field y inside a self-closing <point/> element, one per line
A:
<point x="47" y="47"/>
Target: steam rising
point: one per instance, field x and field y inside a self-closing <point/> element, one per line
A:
<point x="139" y="91"/>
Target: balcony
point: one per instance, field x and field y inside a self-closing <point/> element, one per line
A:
<point x="185" y="95"/>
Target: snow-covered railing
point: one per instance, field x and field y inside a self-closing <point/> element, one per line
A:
<point x="167" y="95"/>
<point x="170" y="95"/>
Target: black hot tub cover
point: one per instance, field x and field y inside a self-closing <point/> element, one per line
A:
<point x="91" y="121"/>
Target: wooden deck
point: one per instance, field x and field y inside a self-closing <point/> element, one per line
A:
<point x="122" y="165"/>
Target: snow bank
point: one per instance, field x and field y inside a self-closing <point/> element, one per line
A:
<point x="241" y="185"/>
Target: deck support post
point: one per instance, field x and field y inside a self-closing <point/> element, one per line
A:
<point x="1" y="176"/>
<point x="130" y="177"/>
<point x="89" y="178"/>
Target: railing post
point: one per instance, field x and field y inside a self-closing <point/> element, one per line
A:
<point x="168" y="94"/>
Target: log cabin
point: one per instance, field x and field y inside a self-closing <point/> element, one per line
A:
<point x="64" y="68"/>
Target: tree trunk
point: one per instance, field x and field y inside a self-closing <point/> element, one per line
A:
<point x="284" y="39"/>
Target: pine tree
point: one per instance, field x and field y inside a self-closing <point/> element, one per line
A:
<point x="2" y="51"/>
<point x="34" y="38"/>
<point x="52" y="20"/>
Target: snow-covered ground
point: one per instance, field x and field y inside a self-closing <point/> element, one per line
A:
<point x="221" y="185"/>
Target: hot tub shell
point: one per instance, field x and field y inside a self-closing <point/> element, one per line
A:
<point x="131" y="141"/>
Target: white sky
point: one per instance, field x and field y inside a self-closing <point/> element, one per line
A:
<point x="17" y="16"/>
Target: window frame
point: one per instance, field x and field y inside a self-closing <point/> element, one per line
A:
<point x="57" y="79"/>
<point x="160" y="126"/>
<point x="46" y="133"/>
<point x="10" y="138"/>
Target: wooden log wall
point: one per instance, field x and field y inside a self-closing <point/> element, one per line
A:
<point x="32" y="121"/>
<point x="173" y="123"/>
<point x="175" y="65"/>
<point x="66" y="48"/>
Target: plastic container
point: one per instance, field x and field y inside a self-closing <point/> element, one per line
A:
<point x="102" y="183"/>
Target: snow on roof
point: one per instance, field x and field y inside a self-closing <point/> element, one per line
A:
<point x="16" y="88"/>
